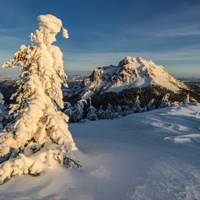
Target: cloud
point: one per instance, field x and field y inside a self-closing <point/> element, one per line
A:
<point x="184" y="54"/>
<point x="165" y="31"/>
<point x="182" y="62"/>
<point x="5" y="30"/>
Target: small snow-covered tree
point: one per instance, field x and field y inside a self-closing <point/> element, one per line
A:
<point x="150" y="105"/>
<point x="101" y="113"/>
<point x="68" y="109"/>
<point x="126" y="110"/>
<point x="1" y="103"/>
<point x="38" y="134"/>
<point x="109" y="112"/>
<point x="91" y="112"/>
<point x="77" y="111"/>
<point x="165" y="101"/>
<point x="119" y="109"/>
<point x="136" y="107"/>
<point x="1" y="99"/>
<point x="187" y="99"/>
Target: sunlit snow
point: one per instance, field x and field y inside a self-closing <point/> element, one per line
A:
<point x="131" y="158"/>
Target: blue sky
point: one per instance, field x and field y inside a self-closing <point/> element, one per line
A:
<point x="103" y="32"/>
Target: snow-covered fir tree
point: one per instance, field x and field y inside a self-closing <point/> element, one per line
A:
<point x="38" y="134"/>
<point x="150" y="105"/>
<point x="1" y="99"/>
<point x="119" y="109"/>
<point x="91" y="112"/>
<point x="77" y="111"/>
<point x="165" y="101"/>
<point x="101" y="113"/>
<point x="126" y="110"/>
<point x="1" y="104"/>
<point x="187" y="99"/>
<point x="68" y="109"/>
<point x="136" y="107"/>
<point x="109" y="112"/>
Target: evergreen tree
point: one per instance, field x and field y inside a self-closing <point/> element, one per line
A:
<point x="1" y="99"/>
<point x="1" y="104"/>
<point x="187" y="99"/>
<point x="136" y="107"/>
<point x="109" y="112"/>
<point x="150" y="105"/>
<point x="126" y="110"/>
<point x="165" y="101"/>
<point x="68" y="109"/>
<point x="101" y="113"/>
<point x="91" y="112"/>
<point x="117" y="111"/>
<point x="38" y="132"/>
<point x="77" y="111"/>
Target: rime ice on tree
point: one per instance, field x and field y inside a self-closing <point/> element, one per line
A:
<point x="77" y="113"/>
<point x="91" y="113"/>
<point x="165" y="101"/>
<point x="136" y="106"/>
<point x="187" y="99"/>
<point x="1" y="103"/>
<point x="38" y="132"/>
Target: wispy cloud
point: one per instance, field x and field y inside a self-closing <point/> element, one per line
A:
<point x="165" y="31"/>
<point x="13" y="30"/>
<point x="180" y="62"/>
<point x="103" y="57"/>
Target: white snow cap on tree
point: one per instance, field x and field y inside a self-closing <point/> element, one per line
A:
<point x="49" y="26"/>
<point x="52" y="23"/>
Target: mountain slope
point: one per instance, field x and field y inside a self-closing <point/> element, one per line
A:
<point x="132" y="81"/>
<point x="130" y="73"/>
<point x="152" y="155"/>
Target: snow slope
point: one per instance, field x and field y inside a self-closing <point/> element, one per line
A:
<point x="153" y="155"/>
<point x="131" y="72"/>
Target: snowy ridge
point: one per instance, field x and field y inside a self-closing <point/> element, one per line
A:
<point x="138" y="157"/>
<point x="131" y="72"/>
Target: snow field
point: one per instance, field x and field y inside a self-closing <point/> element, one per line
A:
<point x="134" y="157"/>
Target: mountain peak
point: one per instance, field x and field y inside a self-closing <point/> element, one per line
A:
<point x="131" y="72"/>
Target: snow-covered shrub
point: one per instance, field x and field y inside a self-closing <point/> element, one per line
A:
<point x="38" y="134"/>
